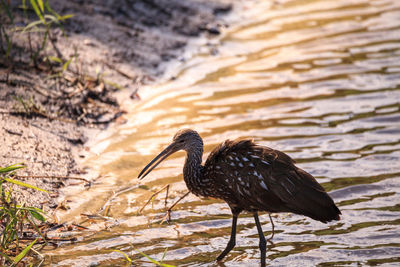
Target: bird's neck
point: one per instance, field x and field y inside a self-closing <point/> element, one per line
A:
<point x="193" y="170"/>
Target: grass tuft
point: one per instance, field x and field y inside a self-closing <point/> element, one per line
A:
<point x="160" y="263"/>
<point x="14" y="217"/>
<point x="38" y="19"/>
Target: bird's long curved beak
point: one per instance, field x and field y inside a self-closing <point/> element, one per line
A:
<point x="157" y="160"/>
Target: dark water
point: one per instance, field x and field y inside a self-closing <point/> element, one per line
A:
<point x="319" y="80"/>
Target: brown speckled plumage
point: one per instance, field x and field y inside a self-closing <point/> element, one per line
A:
<point x="249" y="177"/>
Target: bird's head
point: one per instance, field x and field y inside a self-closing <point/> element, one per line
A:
<point x="185" y="139"/>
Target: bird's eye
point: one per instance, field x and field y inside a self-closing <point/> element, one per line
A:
<point x="181" y="141"/>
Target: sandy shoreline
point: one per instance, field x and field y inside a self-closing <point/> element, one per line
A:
<point x="128" y="46"/>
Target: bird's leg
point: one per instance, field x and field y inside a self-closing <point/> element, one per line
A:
<point x="263" y="243"/>
<point x="232" y="241"/>
<point x="167" y="216"/>
<point x="153" y="195"/>
<point x="273" y="227"/>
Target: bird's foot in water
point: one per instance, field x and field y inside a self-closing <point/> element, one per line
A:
<point x="167" y="216"/>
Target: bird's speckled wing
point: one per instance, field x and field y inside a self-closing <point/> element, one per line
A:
<point x="255" y="177"/>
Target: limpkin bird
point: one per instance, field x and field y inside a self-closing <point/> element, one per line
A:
<point x="251" y="178"/>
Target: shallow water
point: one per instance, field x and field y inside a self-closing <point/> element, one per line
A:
<point x="318" y="80"/>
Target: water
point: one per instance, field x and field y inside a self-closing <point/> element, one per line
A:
<point x="318" y="80"/>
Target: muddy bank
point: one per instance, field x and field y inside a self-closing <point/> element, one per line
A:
<point x="113" y="46"/>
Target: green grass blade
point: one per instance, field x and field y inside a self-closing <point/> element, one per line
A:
<point x="55" y="59"/>
<point x="47" y="5"/>
<point x="31" y="25"/>
<point x="149" y="258"/>
<point x="8" y="194"/>
<point x="123" y="253"/>
<point x="11" y="168"/>
<point x="163" y="256"/>
<point x="65" y="17"/>
<point x="51" y="18"/>
<point x="21" y="255"/>
<point x="37" y="215"/>
<point x="37" y="11"/>
<point x="24" y="184"/>
<point x="116" y="85"/>
<point x="40" y="3"/>
<point x="66" y="64"/>
<point x="154" y="261"/>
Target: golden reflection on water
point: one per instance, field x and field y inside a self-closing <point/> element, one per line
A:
<point x="317" y="79"/>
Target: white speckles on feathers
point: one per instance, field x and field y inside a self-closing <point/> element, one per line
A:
<point x="265" y="162"/>
<point x="287" y="189"/>
<point x="291" y="182"/>
<point x="256" y="178"/>
<point x="263" y="185"/>
<point x="247" y="191"/>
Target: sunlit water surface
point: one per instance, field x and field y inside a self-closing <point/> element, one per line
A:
<point x="318" y="80"/>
